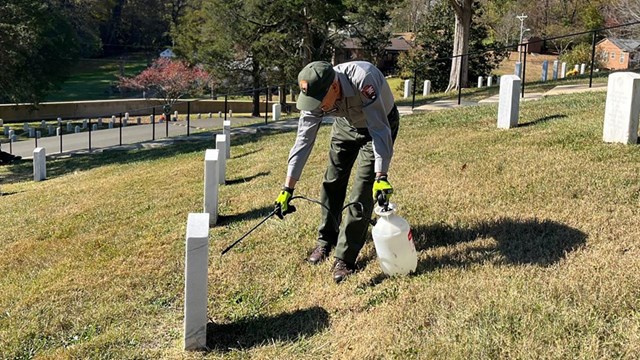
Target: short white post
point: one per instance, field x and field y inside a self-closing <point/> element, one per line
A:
<point x="426" y="88"/>
<point x="94" y="127"/>
<point x="576" y="68"/>
<point x="126" y="116"/>
<point x="479" y="81"/>
<point x="276" y="111"/>
<point x="196" y="266"/>
<point x="39" y="164"/>
<point x="221" y="145"/>
<point x="84" y="123"/>
<point x="509" y="106"/>
<point x="489" y="81"/>
<point x="175" y="115"/>
<point x="32" y="132"/>
<point x="77" y="129"/>
<point x="622" y="108"/>
<point x="230" y="113"/>
<point x="211" y="185"/>
<point x="226" y="130"/>
<point x="219" y="114"/>
<point x="407" y="88"/>
<point x="583" y="67"/>
<point x="199" y="116"/>
<point x="563" y="70"/>
<point x="554" y="74"/>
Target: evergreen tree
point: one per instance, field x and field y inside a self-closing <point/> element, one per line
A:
<point x="37" y="48"/>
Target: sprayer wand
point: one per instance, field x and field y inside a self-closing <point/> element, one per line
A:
<point x="277" y="208"/>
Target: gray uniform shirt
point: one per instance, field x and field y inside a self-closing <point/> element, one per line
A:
<point x="366" y="101"/>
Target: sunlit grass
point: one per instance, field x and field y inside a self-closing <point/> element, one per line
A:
<point x="527" y="238"/>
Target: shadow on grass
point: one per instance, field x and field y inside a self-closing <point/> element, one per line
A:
<point x="519" y="242"/>
<point x="259" y="213"/>
<point x="81" y="162"/>
<point x="246" y="179"/>
<point x="543" y="120"/>
<point x="246" y="154"/>
<point x="264" y="330"/>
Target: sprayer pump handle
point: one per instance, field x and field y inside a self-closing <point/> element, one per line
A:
<point x="382" y="200"/>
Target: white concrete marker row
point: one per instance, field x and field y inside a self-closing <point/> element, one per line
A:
<point x="509" y="106"/>
<point x="39" y="164"/>
<point x="622" y="108"/>
<point x="196" y="265"/>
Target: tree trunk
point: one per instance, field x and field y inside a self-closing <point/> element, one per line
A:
<point x="460" y="64"/>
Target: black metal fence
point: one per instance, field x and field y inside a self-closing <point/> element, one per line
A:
<point x="523" y="51"/>
<point x="158" y="115"/>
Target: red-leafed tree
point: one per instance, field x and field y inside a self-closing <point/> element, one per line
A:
<point x="168" y="80"/>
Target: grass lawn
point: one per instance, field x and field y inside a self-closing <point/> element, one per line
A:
<point x="528" y="240"/>
<point x="95" y="79"/>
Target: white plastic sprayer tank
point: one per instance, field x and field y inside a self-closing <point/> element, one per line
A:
<point x="394" y="242"/>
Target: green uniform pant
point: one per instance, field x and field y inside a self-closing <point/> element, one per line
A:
<point x="348" y="145"/>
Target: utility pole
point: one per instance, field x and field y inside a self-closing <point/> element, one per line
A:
<point x="521" y="18"/>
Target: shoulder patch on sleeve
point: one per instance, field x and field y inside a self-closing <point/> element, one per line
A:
<point x="369" y="92"/>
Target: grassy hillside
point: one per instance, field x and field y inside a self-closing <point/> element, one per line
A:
<point x="528" y="246"/>
<point x="96" y="79"/>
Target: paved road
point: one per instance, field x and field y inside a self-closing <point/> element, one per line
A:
<point x="132" y="134"/>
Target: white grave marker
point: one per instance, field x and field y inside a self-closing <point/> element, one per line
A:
<point x="426" y="88"/>
<point x="211" y="185"/>
<point x="622" y="108"/>
<point x="276" y="111"/>
<point x="221" y="145"/>
<point x="226" y="130"/>
<point x="407" y="88"/>
<point x="196" y="265"/>
<point x="39" y="164"/>
<point x="509" y="106"/>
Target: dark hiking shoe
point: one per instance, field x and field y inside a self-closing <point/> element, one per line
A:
<point x="341" y="270"/>
<point x="318" y="255"/>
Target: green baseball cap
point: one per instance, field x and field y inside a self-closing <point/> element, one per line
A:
<point x="314" y="80"/>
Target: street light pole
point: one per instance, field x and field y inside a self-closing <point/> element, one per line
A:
<point x="521" y="18"/>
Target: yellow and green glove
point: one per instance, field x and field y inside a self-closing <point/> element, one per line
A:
<point x="382" y="190"/>
<point x="282" y="202"/>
